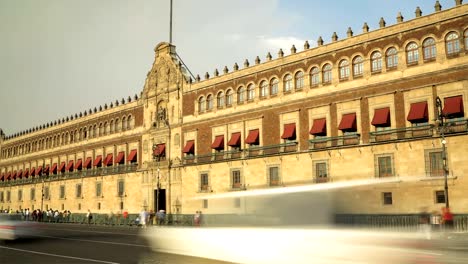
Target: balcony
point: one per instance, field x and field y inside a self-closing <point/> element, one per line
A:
<point x="271" y="150"/>
<point x="454" y="127"/>
<point x="402" y="133"/>
<point x="331" y="142"/>
<point x="73" y="175"/>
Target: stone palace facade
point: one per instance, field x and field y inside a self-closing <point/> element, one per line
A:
<point x="371" y="105"/>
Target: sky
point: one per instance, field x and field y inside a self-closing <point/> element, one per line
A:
<point x="62" y="57"/>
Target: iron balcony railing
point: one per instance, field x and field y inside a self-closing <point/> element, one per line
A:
<point x="252" y="152"/>
<point x="120" y="169"/>
<point x="331" y="142"/>
<point x="402" y="133"/>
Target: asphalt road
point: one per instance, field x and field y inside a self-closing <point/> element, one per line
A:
<point x="75" y="243"/>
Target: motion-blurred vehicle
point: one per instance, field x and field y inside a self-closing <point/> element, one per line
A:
<point x="13" y="227"/>
<point x="296" y="225"/>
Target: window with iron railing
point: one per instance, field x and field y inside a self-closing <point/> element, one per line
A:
<point x="121" y="188"/>
<point x="435" y="163"/>
<point x="236" y="179"/>
<point x="321" y="171"/>
<point x="62" y="192"/>
<point x="439" y="197"/>
<point x="98" y="189"/>
<point x="387" y="198"/>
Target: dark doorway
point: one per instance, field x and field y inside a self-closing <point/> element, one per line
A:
<point x="160" y="200"/>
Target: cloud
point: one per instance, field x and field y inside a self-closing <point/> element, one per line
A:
<point x="283" y="42"/>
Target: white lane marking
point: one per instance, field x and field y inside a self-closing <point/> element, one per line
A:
<point x="94" y="241"/>
<point x="59" y="256"/>
<point x="86" y="231"/>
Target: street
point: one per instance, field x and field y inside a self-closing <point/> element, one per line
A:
<point x="78" y="243"/>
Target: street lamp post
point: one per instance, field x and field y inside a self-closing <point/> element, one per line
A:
<point x="42" y="188"/>
<point x="440" y="118"/>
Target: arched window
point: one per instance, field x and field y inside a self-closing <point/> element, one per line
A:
<point x="376" y="61"/>
<point x="240" y="95"/>
<point x="429" y="49"/>
<point x="327" y="73"/>
<point x="358" y="66"/>
<point x="412" y="53"/>
<point x="130" y="122"/>
<point x="314" y="76"/>
<point x="209" y="102"/>
<point x="452" y="43"/>
<point x="250" y="92"/>
<point x="344" y="70"/>
<point x="106" y="128"/>
<point x="220" y="99"/>
<point x="466" y="40"/>
<point x="124" y="123"/>
<point x="299" y="80"/>
<point x="263" y="89"/>
<point x="392" y="58"/>
<point x="112" y="127"/>
<point x="117" y="125"/>
<point x="274" y="86"/>
<point x="201" y="104"/>
<point x="229" y="97"/>
<point x="287" y="82"/>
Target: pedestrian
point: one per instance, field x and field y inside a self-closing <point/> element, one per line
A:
<point x="89" y="216"/>
<point x="447" y="218"/>
<point x="143" y="218"/>
<point x="161" y="217"/>
<point x="196" y="218"/>
<point x="125" y="217"/>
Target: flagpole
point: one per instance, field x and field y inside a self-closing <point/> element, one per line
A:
<point x="170" y="25"/>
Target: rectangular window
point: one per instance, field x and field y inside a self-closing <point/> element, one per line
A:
<point x="320" y="171"/>
<point x="385" y="166"/>
<point x="98" y="189"/>
<point x="440" y="197"/>
<point x="236" y="179"/>
<point x="20" y="195"/>
<point x="436" y="164"/>
<point x="8" y="196"/>
<point x="273" y="173"/>
<point x="387" y="198"/>
<point x="1" y="197"/>
<point x="33" y="194"/>
<point x="78" y="190"/>
<point x="204" y="183"/>
<point x="62" y="192"/>
<point x="205" y="203"/>
<point x="120" y="188"/>
<point x="46" y="193"/>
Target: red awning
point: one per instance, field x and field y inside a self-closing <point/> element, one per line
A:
<point x="46" y="169"/>
<point x="54" y="168"/>
<point x="418" y="112"/>
<point x="289" y="131"/>
<point x="120" y="158"/>
<point x="108" y="160"/>
<point x="62" y="167"/>
<point x="78" y="164"/>
<point x="13" y="175"/>
<point x="132" y="155"/>
<point x="97" y="161"/>
<point x="7" y="177"/>
<point x="20" y="174"/>
<point x="319" y="127"/>
<point x="381" y="117"/>
<point x="160" y="150"/>
<point x="218" y="142"/>
<point x="235" y="139"/>
<point x="453" y="106"/>
<point x="38" y="170"/>
<point x="189" y="147"/>
<point x="69" y="166"/>
<point x="252" y="137"/>
<point x="348" y="122"/>
<point x="2" y="176"/>
<point x="87" y="163"/>
<point x="33" y="171"/>
<point x="26" y="173"/>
